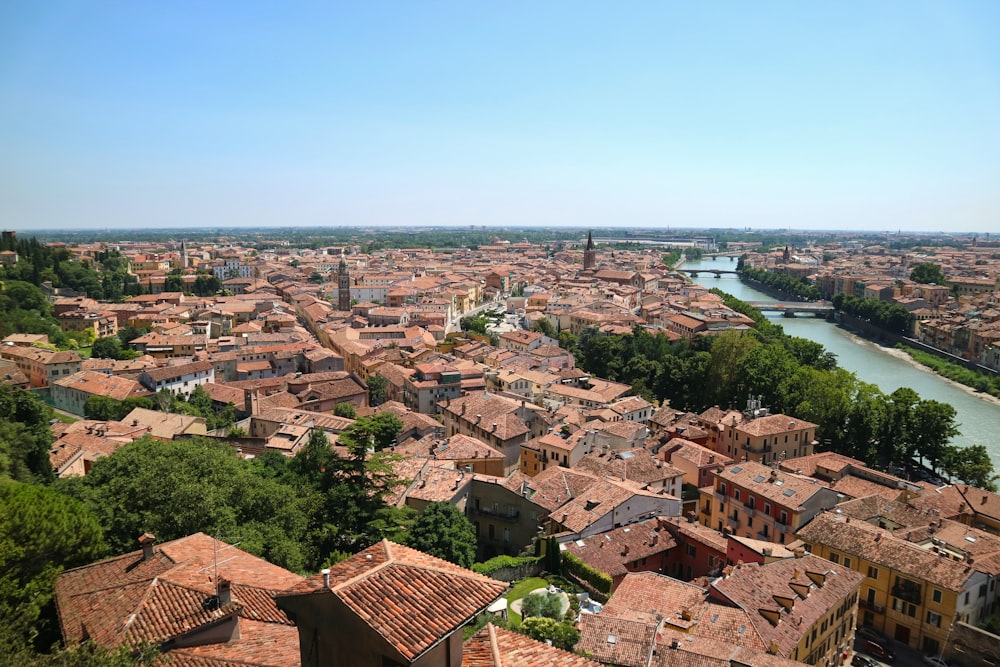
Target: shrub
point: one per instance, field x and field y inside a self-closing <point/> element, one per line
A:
<point x="595" y="578"/>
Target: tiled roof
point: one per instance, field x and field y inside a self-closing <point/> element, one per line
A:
<point x="610" y="552"/>
<point x="618" y="641"/>
<point x="783" y="488"/>
<point x="99" y="384"/>
<point x="496" y="647"/>
<point x="753" y="588"/>
<point x="773" y="425"/>
<point x="881" y="547"/>
<point x="129" y="599"/>
<point x="410" y="598"/>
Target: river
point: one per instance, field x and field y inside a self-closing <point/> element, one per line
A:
<point x="978" y="418"/>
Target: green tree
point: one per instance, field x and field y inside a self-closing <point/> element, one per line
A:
<point x="25" y="438"/>
<point x="928" y="273"/>
<point x="543" y="326"/>
<point x="378" y="389"/>
<point x="442" y="530"/>
<point x="180" y="487"/>
<point x="541" y="628"/>
<point x="346" y="410"/>
<point x="970" y="465"/>
<point x="41" y="532"/>
<point x="108" y="347"/>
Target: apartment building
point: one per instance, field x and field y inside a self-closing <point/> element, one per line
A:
<point x="757" y="501"/>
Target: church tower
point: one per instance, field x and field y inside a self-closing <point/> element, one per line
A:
<point x="589" y="253"/>
<point x="343" y="285"/>
<point x="184" y="256"/>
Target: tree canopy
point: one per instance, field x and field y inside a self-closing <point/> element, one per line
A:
<point x="927" y="273"/>
<point x="442" y="530"/>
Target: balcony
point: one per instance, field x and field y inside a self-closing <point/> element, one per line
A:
<point x="733" y="524"/>
<point x="749" y="510"/>
<point x="506" y="515"/>
<point x="909" y="593"/>
<point x="871" y="606"/>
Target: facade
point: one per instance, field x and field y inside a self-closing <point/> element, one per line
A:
<point x="757" y="501"/>
<point x="365" y="611"/>
<point x="42" y="367"/>
<point x="767" y="439"/>
<point x="429" y="385"/>
<point x="912" y="591"/>
<point x="183" y="378"/>
<point x="71" y="393"/>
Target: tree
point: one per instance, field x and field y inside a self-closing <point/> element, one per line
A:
<point x="41" y="532"/>
<point x="378" y="389"/>
<point x="542" y="604"/>
<point x="25" y="438"/>
<point x="544" y="327"/>
<point x="108" y="347"/>
<point x="346" y="410"/>
<point x="928" y="273"/>
<point x="180" y="487"/>
<point x="541" y="628"/>
<point x="442" y="530"/>
<point x="970" y="465"/>
<point x="933" y="427"/>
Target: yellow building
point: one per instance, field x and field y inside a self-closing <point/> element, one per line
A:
<point x="912" y="591"/>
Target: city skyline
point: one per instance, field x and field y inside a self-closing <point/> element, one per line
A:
<point x="771" y="116"/>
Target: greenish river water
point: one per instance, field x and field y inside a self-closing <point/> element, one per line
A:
<point x="979" y="419"/>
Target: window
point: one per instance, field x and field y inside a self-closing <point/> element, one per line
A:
<point x="934" y="619"/>
<point x="872" y="572"/>
<point x="834" y="557"/>
<point x="736" y="493"/>
<point x="767" y="508"/>
<point x="691" y="551"/>
<point x="847" y="562"/>
<point x="784" y="517"/>
<point x="936" y="596"/>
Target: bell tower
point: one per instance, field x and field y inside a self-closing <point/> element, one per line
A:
<point x="343" y="285"/>
<point x="589" y="253"/>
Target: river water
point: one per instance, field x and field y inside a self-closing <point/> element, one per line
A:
<point x="979" y="419"/>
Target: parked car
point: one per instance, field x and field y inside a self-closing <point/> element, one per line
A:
<point x="863" y="661"/>
<point x="935" y="661"/>
<point x="879" y="651"/>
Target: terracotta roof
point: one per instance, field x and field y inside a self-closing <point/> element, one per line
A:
<point x="496" y="647"/>
<point x="610" y="552"/>
<point x="99" y="384"/>
<point x="410" y="598"/>
<point x="618" y="641"/>
<point x="881" y="547"/>
<point x="129" y="599"/>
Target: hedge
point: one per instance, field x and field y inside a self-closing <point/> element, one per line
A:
<point x="497" y="563"/>
<point x="595" y="578"/>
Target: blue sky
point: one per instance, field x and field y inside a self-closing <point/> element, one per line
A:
<point x="870" y="115"/>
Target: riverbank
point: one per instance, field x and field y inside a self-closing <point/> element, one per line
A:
<point x="903" y="356"/>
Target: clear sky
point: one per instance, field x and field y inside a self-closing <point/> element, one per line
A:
<point x="866" y="114"/>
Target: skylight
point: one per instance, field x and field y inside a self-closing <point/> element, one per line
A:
<point x="737" y="468"/>
<point x="758" y="478"/>
<point x="612" y="639"/>
<point x="789" y="493"/>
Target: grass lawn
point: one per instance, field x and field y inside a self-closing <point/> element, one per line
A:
<point x="65" y="419"/>
<point x="521" y="590"/>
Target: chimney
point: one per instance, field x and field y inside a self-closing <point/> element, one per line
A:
<point x="494" y="427"/>
<point x="225" y="591"/>
<point x="625" y="550"/>
<point x="326" y="577"/>
<point x="986" y="499"/>
<point x="711" y="458"/>
<point x="147" y="540"/>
